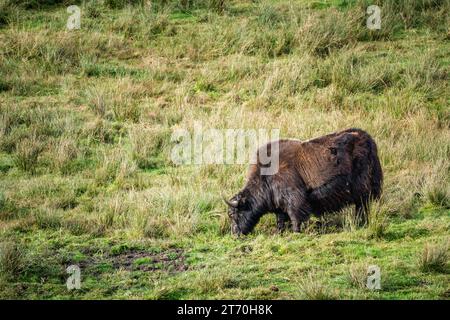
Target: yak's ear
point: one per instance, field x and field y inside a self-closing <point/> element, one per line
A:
<point x="243" y="197"/>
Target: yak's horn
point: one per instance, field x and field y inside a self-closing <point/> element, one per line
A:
<point x="233" y="203"/>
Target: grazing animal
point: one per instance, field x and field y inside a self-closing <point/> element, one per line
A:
<point x="317" y="176"/>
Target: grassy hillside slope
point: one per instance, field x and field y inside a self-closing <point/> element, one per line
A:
<point x="86" y="118"/>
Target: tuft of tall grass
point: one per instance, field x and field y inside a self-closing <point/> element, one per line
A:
<point x="26" y="130"/>
<point x="2" y="200"/>
<point x="11" y="259"/>
<point x="46" y="53"/>
<point x="349" y="220"/>
<point x="7" y="10"/>
<point x="378" y="220"/>
<point x="312" y="289"/>
<point x="143" y="25"/>
<point x="412" y="14"/>
<point x="120" y="4"/>
<point x="357" y="275"/>
<point x="224" y="224"/>
<point x="352" y="73"/>
<point x="114" y="215"/>
<point x="27" y="153"/>
<point x="189" y="5"/>
<point x="155" y="228"/>
<point x="115" y="167"/>
<point x="150" y="146"/>
<point x="434" y="258"/>
<point x="436" y="188"/>
<point x="37" y="4"/>
<point x="102" y="131"/>
<point x="64" y="153"/>
<point x="44" y="219"/>
<point x="114" y="104"/>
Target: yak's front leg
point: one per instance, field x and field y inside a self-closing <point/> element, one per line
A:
<point x="298" y="218"/>
<point x="298" y="211"/>
<point x="282" y="218"/>
<point x="294" y="203"/>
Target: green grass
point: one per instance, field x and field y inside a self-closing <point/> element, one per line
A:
<point x="86" y="118"/>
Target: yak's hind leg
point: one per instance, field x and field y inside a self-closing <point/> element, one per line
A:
<point x="362" y="208"/>
<point x="362" y="204"/>
<point x="374" y="191"/>
<point x="282" y="218"/>
<point x="368" y="179"/>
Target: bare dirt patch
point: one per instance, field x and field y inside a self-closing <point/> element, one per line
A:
<point x="172" y="260"/>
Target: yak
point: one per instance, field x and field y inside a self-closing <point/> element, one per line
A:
<point x="314" y="177"/>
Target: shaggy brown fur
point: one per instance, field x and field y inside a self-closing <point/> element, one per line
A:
<point x="315" y="177"/>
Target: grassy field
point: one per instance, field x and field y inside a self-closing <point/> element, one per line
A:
<point x="86" y="118"/>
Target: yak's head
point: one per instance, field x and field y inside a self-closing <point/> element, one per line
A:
<point x="243" y="213"/>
